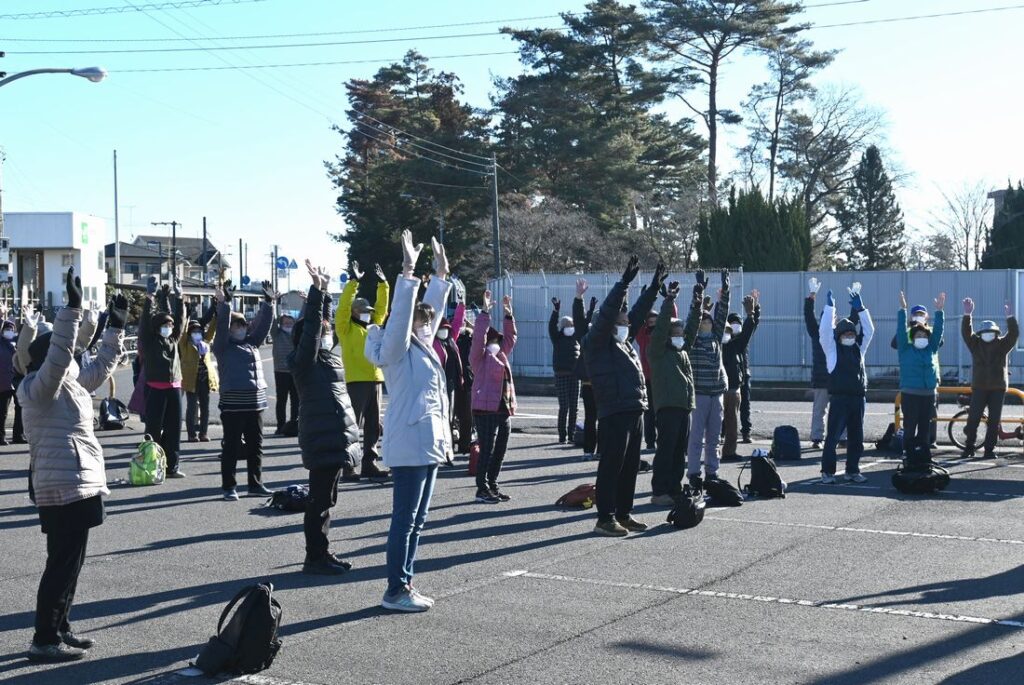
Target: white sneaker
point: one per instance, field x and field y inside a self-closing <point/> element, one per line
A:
<point x="827" y="479"/>
<point x="404" y="600"/>
<point x="855" y="478"/>
<point x="429" y="601"/>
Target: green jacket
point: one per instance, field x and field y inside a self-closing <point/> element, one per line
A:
<point x="990" y="359"/>
<point x="671" y="374"/>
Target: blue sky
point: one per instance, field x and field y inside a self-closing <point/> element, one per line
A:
<point x="246" y="148"/>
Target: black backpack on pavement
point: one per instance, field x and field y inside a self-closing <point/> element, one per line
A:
<point x="722" y="493"/>
<point x="113" y="414"/>
<point x="785" y="443"/>
<point x="248" y="643"/>
<point x="765" y="480"/>
<point x="293" y="498"/>
<point x="920" y="478"/>
<point x="689" y="509"/>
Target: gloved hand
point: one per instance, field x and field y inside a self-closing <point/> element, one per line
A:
<point x="725" y="280"/>
<point x="830" y="299"/>
<point x="117" y="314"/>
<point x="74" y="285"/>
<point x="632" y="269"/>
<point x="813" y="285"/>
<point x="856" y="302"/>
<point x="702" y="279"/>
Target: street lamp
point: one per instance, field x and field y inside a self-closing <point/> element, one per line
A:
<point x="94" y="74"/>
<point x="440" y="211"/>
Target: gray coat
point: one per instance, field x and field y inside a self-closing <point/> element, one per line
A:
<point x="66" y="458"/>
<point x="417" y="425"/>
<point x="239" y="363"/>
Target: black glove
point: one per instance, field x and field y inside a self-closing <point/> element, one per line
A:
<point x="556" y="303"/>
<point x="698" y="292"/>
<point x="593" y="304"/>
<point x="117" y="313"/>
<point x="632" y="269"/>
<point x="702" y="280"/>
<point x="725" y="280"/>
<point x="327" y="307"/>
<point x="268" y="294"/>
<point x="229" y="289"/>
<point x="672" y="290"/>
<point x="660" y="274"/>
<point x="74" y="289"/>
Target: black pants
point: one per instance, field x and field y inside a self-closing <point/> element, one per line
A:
<point x="651" y="427"/>
<point x="745" y="407"/>
<point x="365" y="398"/>
<point x="464" y="414"/>
<point x="239" y="424"/>
<point x="917" y="419"/>
<point x="568" y="390"/>
<point x="589" y="419"/>
<point x="163" y="421"/>
<point x="670" y="457"/>
<point x="316" y="524"/>
<point x="65" y="554"/>
<point x="5" y="401"/>
<point x="990" y="403"/>
<point x="197" y="409"/>
<point x="492" y="431"/>
<point x="284" y="384"/>
<point x="620" y="461"/>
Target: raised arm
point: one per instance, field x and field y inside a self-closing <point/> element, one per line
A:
<point x="178" y="313"/>
<point x="658" y="344"/>
<point x="220" y="341"/>
<point x="210" y="334"/>
<point x="145" y="333"/>
<point x="436" y="296"/>
<point x="1009" y="340"/>
<point x="902" y="335"/>
<point x="96" y="372"/>
<point x="389" y="345"/>
<point x="603" y="323"/>
<point x="86" y="329"/>
<point x="380" y="306"/>
<point x="510" y="335"/>
<point x="261" y="326"/>
<point x="458" y="320"/>
<point x="343" y="317"/>
<point x="826" y="334"/>
<point x="476" y="348"/>
<point x="645" y="303"/>
<point x="867" y="326"/>
<point x="309" y="341"/>
<point x="553" y="326"/>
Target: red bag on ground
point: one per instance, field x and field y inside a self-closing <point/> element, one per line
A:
<point x="474" y="457"/>
<point x="580" y="497"/>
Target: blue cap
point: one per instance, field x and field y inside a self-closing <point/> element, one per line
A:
<point x="918" y="309"/>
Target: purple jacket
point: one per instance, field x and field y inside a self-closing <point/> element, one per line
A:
<point x="489" y="371"/>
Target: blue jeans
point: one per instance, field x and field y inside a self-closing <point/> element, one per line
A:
<point x="411" y="493"/>
<point x="844" y="411"/>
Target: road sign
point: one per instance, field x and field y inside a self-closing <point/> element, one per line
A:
<point x="246" y="280"/>
<point x="293" y="265"/>
<point x="343" y="278"/>
<point x="281" y="263"/>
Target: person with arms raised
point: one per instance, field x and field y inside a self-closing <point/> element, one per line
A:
<point x="990" y="351"/>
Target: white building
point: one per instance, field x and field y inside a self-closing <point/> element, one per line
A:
<point x="42" y="247"/>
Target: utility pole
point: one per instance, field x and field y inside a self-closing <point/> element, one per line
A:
<point x="495" y="230"/>
<point x="117" y="229"/>
<point x="206" y="258"/>
<point x="241" y="262"/>
<point x="273" y="270"/>
<point x="440" y="220"/>
<point x="174" y="245"/>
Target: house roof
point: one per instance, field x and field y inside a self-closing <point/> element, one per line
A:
<point x="133" y="251"/>
<point x="189" y="248"/>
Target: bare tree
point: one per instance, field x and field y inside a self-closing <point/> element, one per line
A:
<point x="668" y="226"/>
<point x="963" y="223"/>
<point x="818" y="154"/>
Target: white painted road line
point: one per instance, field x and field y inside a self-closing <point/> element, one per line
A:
<point x="939" y="495"/>
<point x="871" y="531"/>
<point x="736" y="596"/>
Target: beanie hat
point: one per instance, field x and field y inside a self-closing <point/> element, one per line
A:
<point x="734" y="318"/>
<point x="845" y="326"/>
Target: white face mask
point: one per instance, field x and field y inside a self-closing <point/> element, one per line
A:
<point x="196" y="337"/>
<point x="442" y="334"/>
<point x="726" y="337"/>
<point x="988" y="337"/>
<point x="736" y="328"/>
<point x="9" y="335"/>
<point x="493" y="348"/>
<point x="921" y="343"/>
<point x="327" y="342"/>
<point x="848" y="341"/>
<point x="569" y="331"/>
<point x="622" y="333"/>
<point x="165" y="331"/>
<point x="677" y="342"/>
<point x="238" y="334"/>
<point x="919" y="319"/>
<point x="365" y="317"/>
<point x="423" y="333"/>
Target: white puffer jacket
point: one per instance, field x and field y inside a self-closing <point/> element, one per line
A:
<point x="417" y="425"/>
<point x="66" y="458"/>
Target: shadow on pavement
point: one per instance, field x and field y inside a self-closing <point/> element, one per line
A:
<point x="1002" y="584"/>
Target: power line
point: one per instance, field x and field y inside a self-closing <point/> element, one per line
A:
<point x="121" y="9"/>
<point x="306" y="64"/>
<point x="916" y="17"/>
<point x="201" y="48"/>
<point x="287" y="35"/>
<point x="386" y="130"/>
<point x="415" y="137"/>
<point x="438" y="162"/>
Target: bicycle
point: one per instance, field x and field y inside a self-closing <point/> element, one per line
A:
<point x="958" y="422"/>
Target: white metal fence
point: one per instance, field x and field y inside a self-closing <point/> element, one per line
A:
<point x="781" y="348"/>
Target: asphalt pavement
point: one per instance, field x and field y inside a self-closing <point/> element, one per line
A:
<point x="834" y="584"/>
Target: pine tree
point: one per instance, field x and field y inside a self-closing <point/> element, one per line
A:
<point x="755" y="234"/>
<point x="871" y="222"/>
<point x="1005" y="246"/>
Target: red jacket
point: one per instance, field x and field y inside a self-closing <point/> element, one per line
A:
<point x="643" y="339"/>
<point x="490" y="371"/>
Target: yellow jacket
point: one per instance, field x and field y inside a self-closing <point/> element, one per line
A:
<point x="352" y="334"/>
<point x="190" y="358"/>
